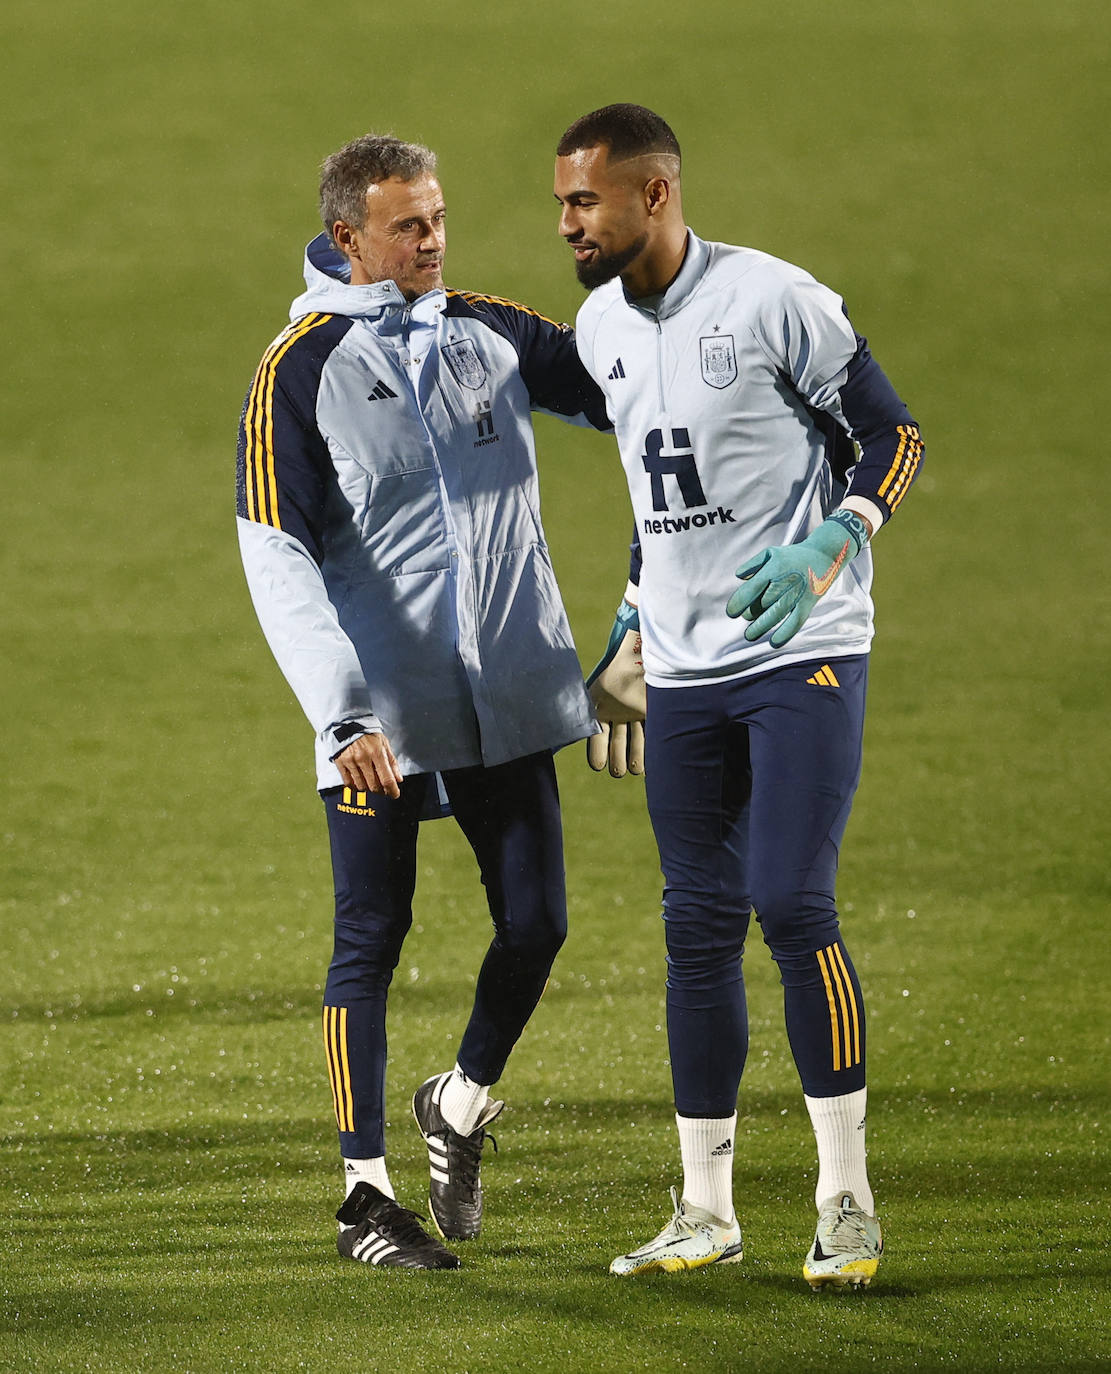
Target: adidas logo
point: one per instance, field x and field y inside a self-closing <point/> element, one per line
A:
<point x="382" y="392"/>
<point x="617" y="373"/>
<point x="725" y="1148"/>
<point x="824" y="677"/>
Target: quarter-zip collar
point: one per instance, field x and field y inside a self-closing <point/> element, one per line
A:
<point x="695" y="262"/>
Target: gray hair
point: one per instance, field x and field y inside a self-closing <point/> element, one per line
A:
<point x="346" y="175"/>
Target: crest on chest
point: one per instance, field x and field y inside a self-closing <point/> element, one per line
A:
<point x="719" y="360"/>
<point x="466" y="366"/>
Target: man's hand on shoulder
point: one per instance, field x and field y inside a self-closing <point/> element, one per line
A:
<point x="368" y="765"/>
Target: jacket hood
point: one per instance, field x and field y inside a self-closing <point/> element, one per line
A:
<point x="329" y="290"/>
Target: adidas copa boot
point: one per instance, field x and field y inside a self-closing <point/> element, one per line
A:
<point x="375" y="1230"/>
<point x="454" y="1179"/>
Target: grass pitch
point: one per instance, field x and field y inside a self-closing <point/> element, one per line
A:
<point x="168" y="1157"/>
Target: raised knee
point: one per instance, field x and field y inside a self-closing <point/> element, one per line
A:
<point x="547" y="943"/>
<point x="536" y="941"/>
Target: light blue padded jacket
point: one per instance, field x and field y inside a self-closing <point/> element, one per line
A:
<point x="389" y="520"/>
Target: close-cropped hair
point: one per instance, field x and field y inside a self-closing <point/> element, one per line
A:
<point x="345" y="175"/>
<point x="627" y="130"/>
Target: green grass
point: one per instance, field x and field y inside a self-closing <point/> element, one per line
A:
<point x="167" y="1153"/>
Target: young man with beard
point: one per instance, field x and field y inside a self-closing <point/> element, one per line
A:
<point x="390" y="530"/>
<point x="762" y="442"/>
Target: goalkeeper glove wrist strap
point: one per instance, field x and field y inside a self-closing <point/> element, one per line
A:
<point x="627" y="617"/>
<point x="847" y="522"/>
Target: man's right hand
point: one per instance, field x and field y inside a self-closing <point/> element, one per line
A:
<point x="368" y="765"/>
<point x="617" y="690"/>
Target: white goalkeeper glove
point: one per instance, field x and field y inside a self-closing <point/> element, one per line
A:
<point x="617" y="690"/>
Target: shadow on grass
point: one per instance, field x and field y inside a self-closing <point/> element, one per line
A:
<point x="242" y="1005"/>
<point x="236" y="1214"/>
<point x="431" y="996"/>
<point x="174" y="1155"/>
<point x="558" y="1128"/>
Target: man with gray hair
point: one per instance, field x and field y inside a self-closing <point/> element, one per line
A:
<point x="390" y="531"/>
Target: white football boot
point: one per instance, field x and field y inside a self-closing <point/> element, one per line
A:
<point x="847" y="1246"/>
<point x="691" y="1239"/>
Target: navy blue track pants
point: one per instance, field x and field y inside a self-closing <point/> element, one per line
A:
<point x="749" y="785"/>
<point x="510" y="816"/>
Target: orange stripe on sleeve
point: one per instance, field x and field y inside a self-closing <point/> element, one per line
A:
<point x="906" y="477"/>
<point x="250" y="428"/>
<point x="898" y="460"/>
<point x="262" y="482"/>
<point x="472" y="296"/>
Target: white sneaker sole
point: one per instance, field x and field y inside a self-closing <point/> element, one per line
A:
<point x="676" y="1264"/>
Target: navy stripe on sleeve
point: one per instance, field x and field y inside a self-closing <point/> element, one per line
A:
<point x="283" y="466"/>
<point x="549" y="362"/>
<point x="891" y="447"/>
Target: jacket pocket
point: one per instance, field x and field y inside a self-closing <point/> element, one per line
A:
<point x="403" y="526"/>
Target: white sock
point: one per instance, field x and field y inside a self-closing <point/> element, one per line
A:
<point x="839" y="1130"/>
<point x="462" y="1101"/>
<point x="706" y="1144"/>
<point x="367" y="1171"/>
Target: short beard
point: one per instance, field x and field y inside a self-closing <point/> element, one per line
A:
<point x="601" y="269"/>
<point x="413" y="293"/>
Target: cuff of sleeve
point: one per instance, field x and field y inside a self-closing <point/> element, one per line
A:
<point x="632" y="594"/>
<point x="338" y="737"/>
<point x="867" y="510"/>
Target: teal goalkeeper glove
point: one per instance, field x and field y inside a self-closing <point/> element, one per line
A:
<point x="616" y="688"/>
<point x="784" y="583"/>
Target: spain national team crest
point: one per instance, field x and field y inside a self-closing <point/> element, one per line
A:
<point x="719" y="360"/>
<point x="465" y="363"/>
